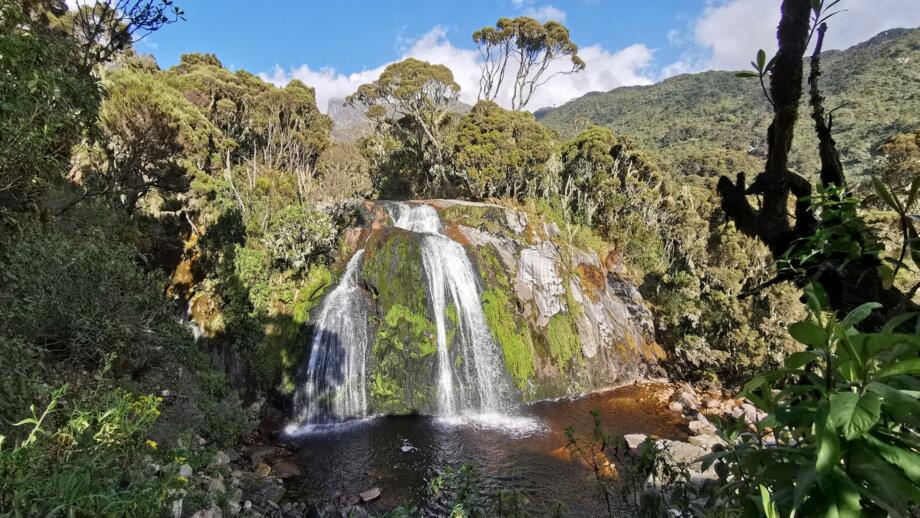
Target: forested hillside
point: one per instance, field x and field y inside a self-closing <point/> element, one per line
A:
<point x="714" y="123"/>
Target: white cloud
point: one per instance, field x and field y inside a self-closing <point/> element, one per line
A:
<point x="605" y="70"/>
<point x="728" y="33"/>
<point x="545" y="13"/>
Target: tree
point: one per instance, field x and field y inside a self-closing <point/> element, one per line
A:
<point x="343" y="173"/>
<point x="412" y="100"/>
<point x="152" y="138"/>
<point x="106" y="27"/>
<point x="48" y="103"/>
<point x="587" y="172"/>
<point x="850" y="269"/>
<point x="500" y="152"/>
<point x="532" y="48"/>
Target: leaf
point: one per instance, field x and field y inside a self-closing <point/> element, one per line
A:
<point x="897" y="322"/>
<point x="882" y="190"/>
<point x="827" y="441"/>
<point x="816" y="297"/>
<point x="882" y="483"/>
<point x="769" y="508"/>
<point x="914" y="188"/>
<point x="844" y="497"/>
<point x="808" y="334"/>
<point x="761" y="59"/>
<point x="897" y="403"/>
<point x="854" y="415"/>
<point x="859" y="314"/>
<point x="906" y="460"/>
<point x="901" y="367"/>
<point x="801" y="359"/>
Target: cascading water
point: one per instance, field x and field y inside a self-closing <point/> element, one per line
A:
<point x="335" y="384"/>
<point x="479" y="380"/>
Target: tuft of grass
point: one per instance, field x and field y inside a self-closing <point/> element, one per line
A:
<point x="562" y="339"/>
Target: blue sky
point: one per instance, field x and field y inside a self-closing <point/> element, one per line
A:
<point x="337" y="45"/>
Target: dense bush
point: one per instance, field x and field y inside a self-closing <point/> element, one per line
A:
<point x="296" y="237"/>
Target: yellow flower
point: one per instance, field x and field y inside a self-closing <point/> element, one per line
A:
<point x="152" y="444"/>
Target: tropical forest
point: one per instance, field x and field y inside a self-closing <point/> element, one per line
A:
<point x="494" y="258"/>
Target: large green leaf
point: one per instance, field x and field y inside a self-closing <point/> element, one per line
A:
<point x="854" y="415"/>
<point x="903" y="406"/>
<point x="882" y="483"/>
<point x="859" y="314"/>
<point x="808" y="334"/>
<point x="908" y="461"/>
<point x="902" y="367"/>
<point x="843" y="497"/>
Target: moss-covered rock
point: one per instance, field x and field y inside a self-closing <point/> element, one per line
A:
<point x="401" y="366"/>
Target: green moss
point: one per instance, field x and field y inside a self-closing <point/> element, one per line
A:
<point x="561" y="338"/>
<point x="513" y="338"/>
<point x="385" y="389"/>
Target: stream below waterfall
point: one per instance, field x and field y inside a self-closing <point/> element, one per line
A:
<point x="525" y="453"/>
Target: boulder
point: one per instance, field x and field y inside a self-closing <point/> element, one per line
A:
<point x="210" y="512"/>
<point x="220" y="459"/>
<point x="286" y="469"/>
<point x="370" y="494"/>
<point x="674" y="406"/>
<point x="702" y="428"/>
<point x="634" y="440"/>
<point x="185" y="471"/>
<point x="258" y="452"/>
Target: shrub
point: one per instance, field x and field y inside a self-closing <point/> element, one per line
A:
<point x="297" y="237"/>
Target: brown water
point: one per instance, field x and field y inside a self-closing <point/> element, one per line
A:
<point x="400" y="454"/>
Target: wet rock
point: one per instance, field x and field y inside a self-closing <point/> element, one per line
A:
<point x="258" y="452"/>
<point x="370" y="494"/>
<point x="285" y="469"/>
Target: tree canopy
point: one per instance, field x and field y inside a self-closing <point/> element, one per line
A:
<point x="531" y="48"/>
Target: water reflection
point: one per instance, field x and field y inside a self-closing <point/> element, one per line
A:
<point x="400" y="454"/>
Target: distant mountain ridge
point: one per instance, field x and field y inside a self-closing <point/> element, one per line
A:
<point x="713" y="123"/>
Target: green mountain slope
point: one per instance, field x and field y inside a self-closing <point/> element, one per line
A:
<point x="712" y="122"/>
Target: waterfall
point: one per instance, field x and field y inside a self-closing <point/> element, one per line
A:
<point x="335" y="386"/>
<point x="479" y="380"/>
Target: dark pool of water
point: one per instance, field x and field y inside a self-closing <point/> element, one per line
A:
<point x="524" y="453"/>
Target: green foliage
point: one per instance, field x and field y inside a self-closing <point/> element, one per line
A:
<point x="91" y="463"/>
<point x="847" y="404"/>
<point x="711" y="123"/>
<point x="48" y="103"/>
<point x="513" y="337"/>
<point x="89" y="298"/>
<point x="296" y="238"/>
<point x="562" y="340"/>
<point x="411" y="102"/>
<point x="500" y="152"/>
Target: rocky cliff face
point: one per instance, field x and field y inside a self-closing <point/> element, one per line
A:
<point x="566" y="321"/>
